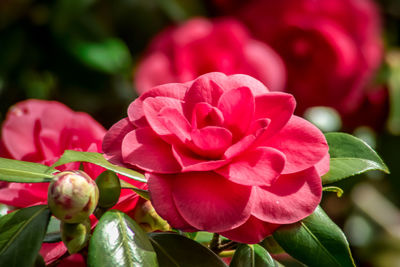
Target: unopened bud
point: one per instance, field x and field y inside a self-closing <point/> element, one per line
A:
<point x="109" y="188"/>
<point x="72" y="196"/>
<point x="75" y="235"/>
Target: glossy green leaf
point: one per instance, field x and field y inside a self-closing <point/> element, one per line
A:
<point x="252" y="256"/>
<point x="350" y="156"/>
<point x="119" y="241"/>
<point x="109" y="189"/>
<point x="141" y="192"/>
<point x="98" y="159"/>
<point x="21" y="235"/>
<point x="24" y="172"/>
<point x="178" y="250"/>
<point x="315" y="241"/>
<point x="53" y="233"/>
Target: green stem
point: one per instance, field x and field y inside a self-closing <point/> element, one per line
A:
<point x="227" y="253"/>
<point x="215" y="243"/>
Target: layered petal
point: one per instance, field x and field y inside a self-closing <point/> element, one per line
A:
<point x="176" y="124"/>
<point x="189" y="161"/>
<point x="171" y="90"/>
<point x="211" y="142"/>
<point x="152" y="107"/>
<point x="144" y="149"/>
<point x="206" y="115"/>
<point x="303" y="144"/>
<point x="204" y="89"/>
<point x="240" y="80"/>
<point x="160" y="187"/>
<point x="237" y="107"/>
<point x="289" y="199"/>
<point x="201" y="202"/>
<point x="253" y="231"/>
<point x="112" y="142"/>
<point x="258" y="167"/>
<point x="277" y="107"/>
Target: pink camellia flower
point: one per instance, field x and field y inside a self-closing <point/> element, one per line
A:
<point x="331" y="48"/>
<point x="40" y="131"/>
<point x="198" y="46"/>
<point x="222" y="154"/>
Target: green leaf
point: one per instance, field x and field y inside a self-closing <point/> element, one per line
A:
<point x="110" y="55"/>
<point x="252" y="256"/>
<point x="24" y="172"/>
<point x="141" y="192"/>
<point x="98" y="159"/>
<point x="53" y="233"/>
<point x="119" y="241"/>
<point x="393" y="80"/>
<point x="177" y="250"/>
<point x="21" y="235"/>
<point x="109" y="189"/>
<point x="315" y="241"/>
<point x="350" y="156"/>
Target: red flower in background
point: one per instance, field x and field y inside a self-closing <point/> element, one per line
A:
<point x="331" y="48"/>
<point x="199" y="46"/>
<point x="223" y="154"/>
<point x="40" y="131"/>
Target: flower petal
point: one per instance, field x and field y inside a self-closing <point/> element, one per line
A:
<point x="189" y="161"/>
<point x="22" y="126"/>
<point x="323" y="165"/>
<point x="302" y="143"/>
<point x="258" y="167"/>
<point x="211" y="142"/>
<point x="155" y="69"/>
<point x="239" y="146"/>
<point x="112" y="142"/>
<point x="152" y="107"/>
<point x="176" y="123"/>
<point x="144" y="149"/>
<point x="252" y="231"/>
<point x="171" y="90"/>
<point x="206" y="115"/>
<point x="237" y="106"/>
<point x="160" y="188"/>
<point x="52" y="251"/>
<point x="242" y="80"/>
<point x="204" y="89"/>
<point x="22" y="196"/>
<point x="291" y="198"/>
<point x="276" y="106"/>
<point x="201" y="202"/>
<point x="267" y="65"/>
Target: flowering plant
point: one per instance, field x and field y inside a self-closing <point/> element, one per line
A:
<point x="221" y="155"/>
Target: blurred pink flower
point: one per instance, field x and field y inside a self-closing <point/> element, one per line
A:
<point x="331" y="48"/>
<point x="198" y="46"/>
<point x="40" y="131"/>
<point x="223" y="154"/>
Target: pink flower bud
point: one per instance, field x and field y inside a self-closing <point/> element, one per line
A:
<point x="72" y="196"/>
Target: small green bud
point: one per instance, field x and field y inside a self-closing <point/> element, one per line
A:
<point x="109" y="189"/>
<point x="72" y="196"/>
<point x="75" y="235"/>
<point x="148" y="219"/>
